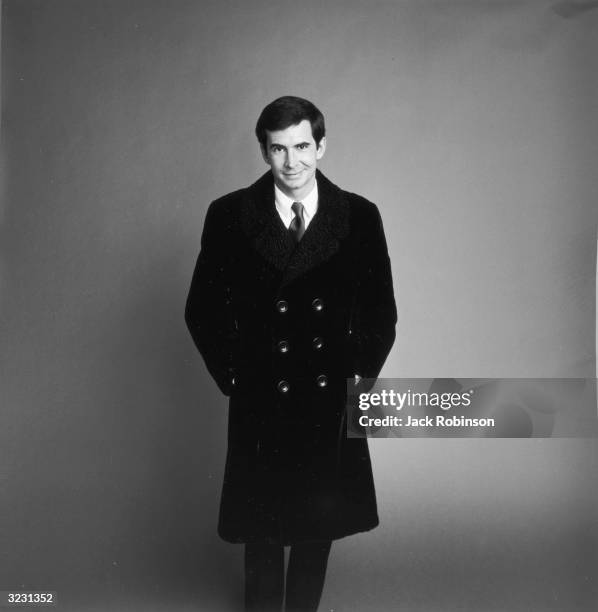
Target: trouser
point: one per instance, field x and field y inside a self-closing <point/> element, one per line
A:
<point x="264" y="576"/>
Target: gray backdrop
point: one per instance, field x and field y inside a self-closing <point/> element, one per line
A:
<point x="471" y="124"/>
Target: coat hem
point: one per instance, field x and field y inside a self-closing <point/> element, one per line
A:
<point x="286" y="541"/>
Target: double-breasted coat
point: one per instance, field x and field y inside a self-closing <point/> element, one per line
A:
<point x="281" y="328"/>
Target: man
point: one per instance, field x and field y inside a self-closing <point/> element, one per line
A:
<point x="291" y="296"/>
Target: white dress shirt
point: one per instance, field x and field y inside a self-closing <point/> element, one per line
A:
<point x="283" y="205"/>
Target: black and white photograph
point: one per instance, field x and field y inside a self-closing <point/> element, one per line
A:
<point x="298" y="305"/>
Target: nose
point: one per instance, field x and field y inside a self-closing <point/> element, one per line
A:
<point x="290" y="159"/>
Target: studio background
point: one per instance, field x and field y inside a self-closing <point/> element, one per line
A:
<point x="473" y="127"/>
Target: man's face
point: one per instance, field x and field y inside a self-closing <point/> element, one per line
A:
<point x="292" y="155"/>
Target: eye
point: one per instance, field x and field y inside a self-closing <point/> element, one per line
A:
<point x="276" y="148"/>
<point x="303" y="146"/>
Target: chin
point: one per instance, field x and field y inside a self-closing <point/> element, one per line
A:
<point x="292" y="184"/>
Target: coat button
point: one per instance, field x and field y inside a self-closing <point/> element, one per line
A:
<point x="283" y="386"/>
<point x="283" y="346"/>
<point x="282" y="305"/>
<point x="322" y="380"/>
<point x="317" y="305"/>
<point x="317" y="343"/>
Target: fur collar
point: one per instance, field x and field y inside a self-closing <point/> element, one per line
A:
<point x="262" y="224"/>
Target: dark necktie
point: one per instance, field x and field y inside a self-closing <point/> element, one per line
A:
<point x="297" y="227"/>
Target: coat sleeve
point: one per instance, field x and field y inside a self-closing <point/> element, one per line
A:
<point x="374" y="314"/>
<point x="209" y="312"/>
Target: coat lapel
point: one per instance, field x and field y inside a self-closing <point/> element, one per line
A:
<point x="322" y="237"/>
<point x="263" y="226"/>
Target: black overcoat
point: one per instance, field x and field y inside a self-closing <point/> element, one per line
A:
<point x="281" y="329"/>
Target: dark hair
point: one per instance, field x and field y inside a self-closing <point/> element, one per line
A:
<point x="287" y="111"/>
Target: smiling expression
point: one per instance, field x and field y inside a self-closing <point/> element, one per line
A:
<point x="292" y="155"/>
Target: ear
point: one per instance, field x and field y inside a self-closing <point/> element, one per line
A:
<point x="321" y="148"/>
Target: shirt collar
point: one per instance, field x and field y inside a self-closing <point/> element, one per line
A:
<point x="284" y="203"/>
